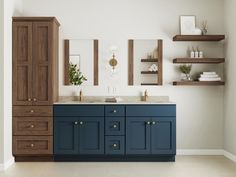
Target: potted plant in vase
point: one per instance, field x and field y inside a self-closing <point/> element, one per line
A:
<point x="75" y="75"/>
<point x="186" y="69"/>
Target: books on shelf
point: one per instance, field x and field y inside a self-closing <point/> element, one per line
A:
<point x="209" y="76"/>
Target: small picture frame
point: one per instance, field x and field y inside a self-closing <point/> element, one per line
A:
<point x="187" y="24"/>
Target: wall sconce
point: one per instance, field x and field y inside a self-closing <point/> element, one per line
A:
<point x="113" y="61"/>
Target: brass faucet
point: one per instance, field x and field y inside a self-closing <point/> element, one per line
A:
<point x="80" y="96"/>
<point x="145" y="95"/>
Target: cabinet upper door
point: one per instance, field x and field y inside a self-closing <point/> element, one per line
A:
<point x="163" y="137"/>
<point x="22" y="63"/>
<point x="42" y="61"/>
<point x="65" y="135"/>
<point x="91" y="135"/>
<point x="138" y="135"/>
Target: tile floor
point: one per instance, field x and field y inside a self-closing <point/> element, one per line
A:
<point x="185" y="166"/>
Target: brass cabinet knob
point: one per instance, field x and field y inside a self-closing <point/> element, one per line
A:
<point x="114" y="111"/>
<point x="31" y="145"/>
<point x="29" y="99"/>
<point x="114" y="126"/>
<point x="35" y="99"/>
<point x="32" y="111"/>
<point x="76" y="123"/>
<point x="32" y="126"/>
<point x="148" y="122"/>
<point x="114" y="145"/>
<point x="81" y="123"/>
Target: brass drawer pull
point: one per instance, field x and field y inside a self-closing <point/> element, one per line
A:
<point x="35" y="99"/>
<point x="32" y="145"/>
<point x="32" y="126"/>
<point x="29" y="99"/>
<point x="32" y="111"/>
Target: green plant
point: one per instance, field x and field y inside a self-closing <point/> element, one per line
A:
<point x="76" y="77"/>
<point x="186" y="69"/>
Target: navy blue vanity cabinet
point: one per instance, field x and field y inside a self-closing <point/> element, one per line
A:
<point x="66" y="135"/>
<point x="91" y="135"/>
<point x="151" y="130"/>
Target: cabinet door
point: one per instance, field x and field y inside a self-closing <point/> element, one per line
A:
<point x="91" y="135"/>
<point x="65" y="135"/>
<point x="22" y="63"/>
<point x="137" y="135"/>
<point x="163" y="137"/>
<point x="42" y="59"/>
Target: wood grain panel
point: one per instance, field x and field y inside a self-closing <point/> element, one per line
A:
<point x="131" y="62"/>
<point x="160" y="62"/>
<point x="96" y="58"/>
<point x="66" y="61"/>
<point x="22" y="62"/>
<point x="32" y="126"/>
<point x="33" y="111"/>
<point x="32" y="145"/>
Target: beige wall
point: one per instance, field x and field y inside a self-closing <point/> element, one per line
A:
<point x="199" y="109"/>
<point x="230" y="68"/>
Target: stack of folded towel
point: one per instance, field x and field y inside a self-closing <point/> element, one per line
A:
<point x="153" y="68"/>
<point x="209" y="76"/>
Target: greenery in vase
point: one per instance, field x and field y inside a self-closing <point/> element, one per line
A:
<point x="186" y="69"/>
<point x="76" y="77"/>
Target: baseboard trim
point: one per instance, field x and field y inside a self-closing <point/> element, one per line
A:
<point x="200" y="152"/>
<point x="230" y="156"/>
<point x="7" y="164"/>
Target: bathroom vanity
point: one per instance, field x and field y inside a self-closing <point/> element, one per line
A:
<point x="114" y="132"/>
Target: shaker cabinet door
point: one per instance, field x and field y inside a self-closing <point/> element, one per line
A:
<point x="137" y="135"/>
<point x="65" y="135"/>
<point x="91" y="135"/>
<point x="22" y="63"/>
<point x="42" y="70"/>
<point x="163" y="136"/>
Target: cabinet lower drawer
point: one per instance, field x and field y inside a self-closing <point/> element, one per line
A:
<point x="115" y="145"/>
<point x="39" y="111"/>
<point x="32" y="126"/>
<point x="32" y="145"/>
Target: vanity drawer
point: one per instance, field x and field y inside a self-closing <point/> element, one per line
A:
<point x="115" y="125"/>
<point x="39" y="111"/>
<point x="115" y="110"/>
<point x="151" y="111"/>
<point x="115" y="145"/>
<point x="74" y="110"/>
<point x="32" y="126"/>
<point x="32" y="145"/>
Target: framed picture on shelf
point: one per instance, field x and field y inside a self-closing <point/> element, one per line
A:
<point x="187" y="24"/>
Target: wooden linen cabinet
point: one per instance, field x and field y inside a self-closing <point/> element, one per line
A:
<point x="35" y="86"/>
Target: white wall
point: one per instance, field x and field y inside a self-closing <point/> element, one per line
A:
<point x="9" y="8"/>
<point x="230" y="94"/>
<point x="199" y="109"/>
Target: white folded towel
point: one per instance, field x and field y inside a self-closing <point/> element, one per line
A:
<point x="210" y="79"/>
<point x="209" y="75"/>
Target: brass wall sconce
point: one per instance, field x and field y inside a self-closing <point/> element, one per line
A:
<point x="113" y="61"/>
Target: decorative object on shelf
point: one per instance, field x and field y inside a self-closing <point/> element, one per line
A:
<point x="187" y="24"/>
<point x="204" y="27"/>
<point x="196" y="53"/>
<point x="209" y="76"/>
<point x="153" y="68"/>
<point x="149" y="56"/>
<point x="186" y="69"/>
<point x="76" y="77"/>
<point x="197" y="31"/>
<point x="192" y="53"/>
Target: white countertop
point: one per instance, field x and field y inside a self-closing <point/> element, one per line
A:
<point x="117" y="103"/>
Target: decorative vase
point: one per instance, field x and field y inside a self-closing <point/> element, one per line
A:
<point x="186" y="77"/>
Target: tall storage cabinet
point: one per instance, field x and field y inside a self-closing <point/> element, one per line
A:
<point x="35" y="85"/>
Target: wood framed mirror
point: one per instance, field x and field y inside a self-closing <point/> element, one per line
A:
<point x="83" y="53"/>
<point x="145" y="65"/>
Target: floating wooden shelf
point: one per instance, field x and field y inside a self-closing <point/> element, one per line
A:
<point x="149" y="60"/>
<point x="198" y="37"/>
<point x="198" y="83"/>
<point x="149" y="72"/>
<point x="149" y="84"/>
<point x="199" y="60"/>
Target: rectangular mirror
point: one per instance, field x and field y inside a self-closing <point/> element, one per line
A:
<point x="81" y="55"/>
<point x="145" y="62"/>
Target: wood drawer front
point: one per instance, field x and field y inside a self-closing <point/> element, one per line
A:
<point x="151" y="111"/>
<point x="30" y="111"/>
<point x="75" y="110"/>
<point x="115" y="111"/>
<point x="32" y="126"/>
<point x="23" y="145"/>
